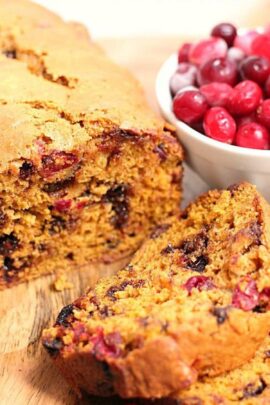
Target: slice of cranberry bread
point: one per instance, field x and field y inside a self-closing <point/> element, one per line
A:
<point x="247" y="385"/>
<point x="86" y="169"/>
<point x="193" y="302"/>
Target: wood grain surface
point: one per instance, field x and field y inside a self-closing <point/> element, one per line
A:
<point x="27" y="375"/>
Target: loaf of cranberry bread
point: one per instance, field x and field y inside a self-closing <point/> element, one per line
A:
<point x="193" y="302"/>
<point x="86" y="169"/>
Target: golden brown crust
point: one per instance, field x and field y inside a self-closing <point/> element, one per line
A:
<point x="57" y="65"/>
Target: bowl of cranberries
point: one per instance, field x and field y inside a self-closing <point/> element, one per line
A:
<point x="216" y="92"/>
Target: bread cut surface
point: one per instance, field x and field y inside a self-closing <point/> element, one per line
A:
<point x="192" y="303"/>
<point x="246" y="385"/>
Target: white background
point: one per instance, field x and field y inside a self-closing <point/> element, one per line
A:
<point x="118" y="18"/>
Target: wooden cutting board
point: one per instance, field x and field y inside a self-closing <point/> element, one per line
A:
<point x="26" y="373"/>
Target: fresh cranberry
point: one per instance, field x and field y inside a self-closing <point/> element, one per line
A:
<point x="190" y="106"/>
<point x="199" y="282"/>
<point x="246" y="119"/>
<point x="184" y="76"/>
<point x="220" y="125"/>
<point x="198" y="126"/>
<point x="263" y="113"/>
<point x="216" y="94"/>
<point x="246" y="295"/>
<point x="207" y="49"/>
<point x="183" y="52"/>
<point x="245" y="98"/>
<point x="267" y="87"/>
<point x="261" y="45"/>
<point x="62" y="205"/>
<point x="225" y="31"/>
<point x="253" y="136"/>
<point x="245" y="41"/>
<point x="56" y="161"/>
<point x="235" y="54"/>
<point x="218" y="70"/>
<point x="256" y="68"/>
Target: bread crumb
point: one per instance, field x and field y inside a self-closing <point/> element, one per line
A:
<point x="62" y="283"/>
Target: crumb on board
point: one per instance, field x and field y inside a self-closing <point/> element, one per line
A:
<point x="62" y="283"/>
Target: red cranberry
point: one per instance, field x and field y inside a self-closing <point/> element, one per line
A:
<point x="263" y="113"/>
<point x="267" y="87"/>
<point x="218" y="70"/>
<point x="81" y="204"/>
<point x="184" y="76"/>
<point x="207" y="49"/>
<point x="261" y="45"/>
<point x="80" y="333"/>
<point x="225" y="31"/>
<point x="190" y="106"/>
<point x="198" y="126"/>
<point x="253" y="136"/>
<point x="216" y="94"/>
<point x="245" y="98"/>
<point x="106" y="345"/>
<point x="62" y="205"/>
<point x="245" y="41"/>
<point x="256" y="68"/>
<point x="220" y="125"/>
<point x="235" y="54"/>
<point x="183" y="52"/>
<point x="56" y="161"/>
<point x="245" y="296"/>
<point x="199" y="282"/>
<point x="246" y="119"/>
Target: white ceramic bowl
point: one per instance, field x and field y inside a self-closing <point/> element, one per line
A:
<point x="217" y="163"/>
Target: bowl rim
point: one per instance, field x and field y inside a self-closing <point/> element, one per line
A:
<point x="162" y="92"/>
